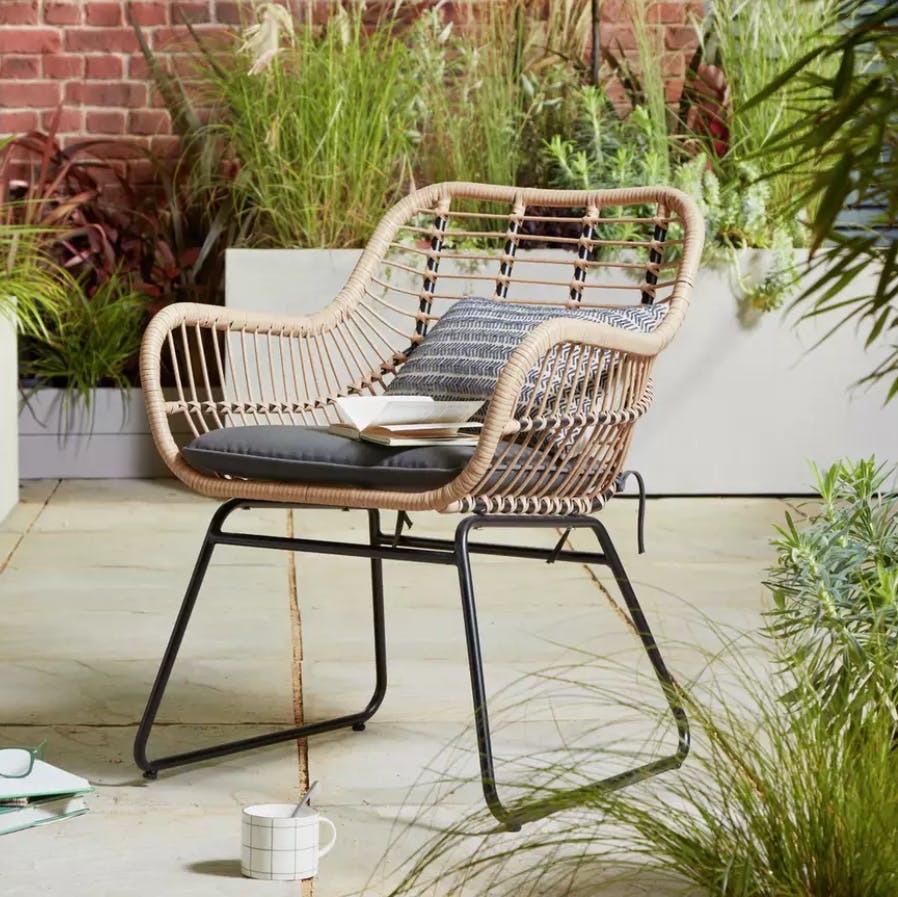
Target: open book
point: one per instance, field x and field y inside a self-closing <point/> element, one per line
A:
<point x="46" y="794"/>
<point x="406" y="420"/>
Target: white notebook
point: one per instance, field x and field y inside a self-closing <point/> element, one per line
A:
<point x="405" y="421"/>
<point x="40" y="811"/>
<point x="44" y="779"/>
<point x="362" y="412"/>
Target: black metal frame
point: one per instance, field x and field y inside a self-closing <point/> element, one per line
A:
<point x="398" y="546"/>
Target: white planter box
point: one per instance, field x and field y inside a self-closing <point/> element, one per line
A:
<point x="9" y="450"/>
<point x="114" y="442"/>
<point x="738" y="410"/>
<point x="287" y="281"/>
<point x="744" y="410"/>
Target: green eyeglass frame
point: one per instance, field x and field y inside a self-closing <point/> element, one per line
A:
<point x="26" y="756"/>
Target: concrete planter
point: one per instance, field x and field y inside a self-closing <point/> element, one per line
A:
<point x="744" y="409"/>
<point x="288" y="281"/>
<point x="113" y="440"/>
<point x="741" y="407"/>
<point x="9" y="449"/>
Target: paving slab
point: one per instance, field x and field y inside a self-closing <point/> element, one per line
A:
<point x="94" y="573"/>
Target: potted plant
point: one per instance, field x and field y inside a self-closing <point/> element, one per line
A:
<point x="77" y="378"/>
<point x="31" y="289"/>
<point x="120" y="256"/>
<point x="788" y="403"/>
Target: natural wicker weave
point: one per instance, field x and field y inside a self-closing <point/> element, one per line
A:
<point x="233" y="368"/>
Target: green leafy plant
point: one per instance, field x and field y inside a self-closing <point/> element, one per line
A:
<point x="606" y="149"/>
<point x="738" y="215"/>
<point x="835" y="583"/>
<point x="846" y="155"/>
<point x="90" y="340"/>
<point x="711" y="147"/>
<point x="32" y="287"/>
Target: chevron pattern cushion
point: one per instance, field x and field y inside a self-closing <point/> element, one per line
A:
<point x="464" y="353"/>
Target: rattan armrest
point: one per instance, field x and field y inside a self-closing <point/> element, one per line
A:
<point x="557" y="446"/>
<point x="199" y="370"/>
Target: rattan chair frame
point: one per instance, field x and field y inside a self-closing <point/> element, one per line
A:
<point x="233" y="368"/>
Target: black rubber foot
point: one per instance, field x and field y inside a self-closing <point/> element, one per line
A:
<point x="151" y="774"/>
<point x="358" y="727"/>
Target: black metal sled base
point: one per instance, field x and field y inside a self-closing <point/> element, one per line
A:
<point x="403" y="547"/>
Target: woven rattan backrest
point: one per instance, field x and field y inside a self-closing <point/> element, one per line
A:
<point x="550" y="254"/>
<point x="439" y="245"/>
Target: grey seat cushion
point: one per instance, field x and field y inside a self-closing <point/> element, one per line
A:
<point x="308" y="455"/>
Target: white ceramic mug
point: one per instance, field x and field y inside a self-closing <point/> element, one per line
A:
<point x="278" y="846"/>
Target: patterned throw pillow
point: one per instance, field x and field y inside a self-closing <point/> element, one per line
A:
<point x="464" y="353"/>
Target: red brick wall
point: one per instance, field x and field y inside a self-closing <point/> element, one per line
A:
<point x="79" y="59"/>
<point x="82" y="56"/>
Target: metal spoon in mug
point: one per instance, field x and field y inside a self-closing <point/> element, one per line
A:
<point x="305" y="798"/>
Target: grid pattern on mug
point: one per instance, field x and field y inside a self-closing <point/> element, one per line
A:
<point x="278" y="852"/>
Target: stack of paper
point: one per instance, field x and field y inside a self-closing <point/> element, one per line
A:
<point x="46" y="794"/>
<point x="406" y="420"/>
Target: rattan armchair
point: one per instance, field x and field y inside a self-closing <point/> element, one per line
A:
<point x="543" y="459"/>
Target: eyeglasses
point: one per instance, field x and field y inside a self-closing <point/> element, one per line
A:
<point x="17" y="763"/>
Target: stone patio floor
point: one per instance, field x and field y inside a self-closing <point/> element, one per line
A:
<point x="92" y="573"/>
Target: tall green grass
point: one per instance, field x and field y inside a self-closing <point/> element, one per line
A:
<point x="496" y="85"/>
<point x="32" y="286"/>
<point x="472" y="100"/>
<point x="88" y="341"/>
<point x="754" y="41"/>
<point x="319" y="141"/>
<point x="308" y="148"/>
<point x="791" y="787"/>
<point x="773" y="801"/>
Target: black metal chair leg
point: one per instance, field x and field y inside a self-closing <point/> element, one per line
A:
<point x="151" y="767"/>
<point x="665" y="678"/>
<point x="512" y="818"/>
<point x="620" y="485"/>
<point x="478" y="686"/>
<point x="174" y="643"/>
<point x="380" y="637"/>
<point x="399" y="546"/>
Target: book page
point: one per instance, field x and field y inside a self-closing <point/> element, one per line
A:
<point x="43" y="779"/>
<point x="441" y="413"/>
<point x="363" y="411"/>
<point x="399" y="429"/>
<point x="378" y="411"/>
<point x="42" y="812"/>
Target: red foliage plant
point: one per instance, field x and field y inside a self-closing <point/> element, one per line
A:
<point x="96" y="223"/>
